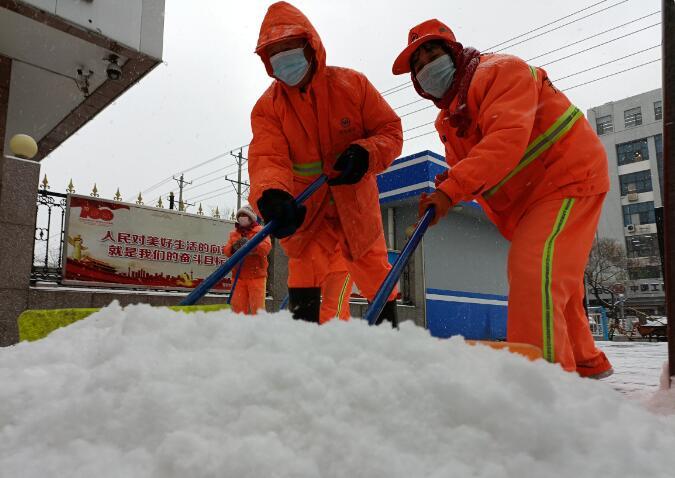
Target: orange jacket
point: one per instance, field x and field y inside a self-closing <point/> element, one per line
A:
<point x="255" y="263"/>
<point x="526" y="141"/>
<point x="298" y="135"/>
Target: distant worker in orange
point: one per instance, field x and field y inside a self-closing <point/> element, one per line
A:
<point x="249" y="293"/>
<point x="336" y="290"/>
<point x="316" y="119"/>
<point x="518" y="146"/>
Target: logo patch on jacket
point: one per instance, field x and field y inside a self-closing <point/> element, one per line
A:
<point x="346" y="127"/>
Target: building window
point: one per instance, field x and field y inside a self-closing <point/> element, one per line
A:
<point x="644" y="272"/>
<point x="632" y="117"/>
<point x="640" y="182"/>
<point x="604" y="124"/>
<point x="632" y="152"/>
<point x="658" y="110"/>
<point x="639" y="213"/>
<point x="642" y="245"/>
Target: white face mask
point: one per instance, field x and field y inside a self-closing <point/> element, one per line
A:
<point x="436" y="76"/>
<point x="244" y="221"/>
<point x="290" y="66"/>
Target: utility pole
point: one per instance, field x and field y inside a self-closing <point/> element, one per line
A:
<point x="238" y="183"/>
<point x="181" y="184"/>
<point x="668" y="87"/>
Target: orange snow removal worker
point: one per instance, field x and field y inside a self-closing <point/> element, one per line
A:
<point x="336" y="290"/>
<point x="316" y="119"/>
<point x="249" y="294"/>
<point x="528" y="156"/>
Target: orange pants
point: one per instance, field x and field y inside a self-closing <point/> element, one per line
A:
<point x="313" y="267"/>
<point x="335" y="294"/>
<point x="249" y="296"/>
<point x="548" y="254"/>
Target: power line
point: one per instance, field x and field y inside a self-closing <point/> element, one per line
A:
<point x="408" y="104"/>
<point x="207" y="195"/>
<point x="192" y="168"/>
<point x="595" y="46"/>
<point x="398" y="89"/>
<point x="601" y="33"/>
<point x="420" y="135"/>
<point x="385" y="92"/>
<point x="560" y="26"/>
<point x="546" y="25"/>
<point x="612" y="74"/>
<point x="218" y="178"/>
<point x="419" y="126"/>
<point x="214" y="171"/>
<point x="417" y="111"/>
<point x="607" y="63"/>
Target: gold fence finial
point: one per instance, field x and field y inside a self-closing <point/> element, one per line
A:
<point x="216" y="213"/>
<point x="118" y="196"/>
<point x="159" y="203"/>
<point x="139" y="200"/>
<point x="94" y="192"/>
<point x="71" y="188"/>
<point x="200" y="211"/>
<point x="45" y="183"/>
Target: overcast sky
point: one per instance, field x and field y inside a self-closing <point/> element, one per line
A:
<point x="197" y="104"/>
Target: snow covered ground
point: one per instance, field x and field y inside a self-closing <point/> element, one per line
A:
<point x="147" y="391"/>
<point x="637" y="366"/>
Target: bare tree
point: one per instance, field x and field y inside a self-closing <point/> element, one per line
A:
<point x="606" y="267"/>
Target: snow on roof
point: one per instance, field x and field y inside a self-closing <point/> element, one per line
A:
<point x="145" y="391"/>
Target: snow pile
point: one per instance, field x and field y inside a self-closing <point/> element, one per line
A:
<point x="150" y="392"/>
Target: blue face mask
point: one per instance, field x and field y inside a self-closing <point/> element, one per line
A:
<point x="290" y="66"/>
<point x="436" y="76"/>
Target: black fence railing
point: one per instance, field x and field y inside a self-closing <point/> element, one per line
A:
<point x="49" y="236"/>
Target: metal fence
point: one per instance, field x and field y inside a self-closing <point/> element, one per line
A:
<point x="49" y="236"/>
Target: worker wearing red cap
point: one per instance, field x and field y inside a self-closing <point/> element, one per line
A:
<point x="317" y="119"/>
<point x="516" y="144"/>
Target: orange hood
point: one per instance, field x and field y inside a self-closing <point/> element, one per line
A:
<point x="283" y="21"/>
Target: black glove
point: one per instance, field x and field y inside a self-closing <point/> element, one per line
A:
<point x="352" y="165"/>
<point x="237" y="245"/>
<point x="277" y="205"/>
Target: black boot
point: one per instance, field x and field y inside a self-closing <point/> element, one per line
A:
<point x="305" y="303"/>
<point x="389" y="314"/>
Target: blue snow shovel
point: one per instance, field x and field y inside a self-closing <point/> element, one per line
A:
<point x="234" y="284"/>
<point x="201" y="290"/>
<point x="390" y="281"/>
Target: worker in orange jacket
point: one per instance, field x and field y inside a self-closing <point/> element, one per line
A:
<point x="336" y="290"/>
<point x="249" y="294"/>
<point x="316" y="119"/>
<point x="518" y="146"/>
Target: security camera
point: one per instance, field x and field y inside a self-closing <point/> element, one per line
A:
<point x="113" y="70"/>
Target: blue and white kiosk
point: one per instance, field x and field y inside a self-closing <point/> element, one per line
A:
<point x="461" y="287"/>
